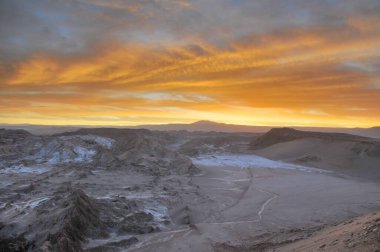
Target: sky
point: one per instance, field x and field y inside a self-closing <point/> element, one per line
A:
<point x="129" y="62"/>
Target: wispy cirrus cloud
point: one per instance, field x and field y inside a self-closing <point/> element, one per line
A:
<point x="178" y="61"/>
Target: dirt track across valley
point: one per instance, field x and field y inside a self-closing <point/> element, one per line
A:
<point x="250" y="205"/>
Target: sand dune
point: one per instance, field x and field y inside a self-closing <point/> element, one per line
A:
<point x="344" y="153"/>
<point x="279" y="135"/>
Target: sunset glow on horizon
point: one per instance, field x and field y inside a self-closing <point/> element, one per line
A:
<point x="116" y="62"/>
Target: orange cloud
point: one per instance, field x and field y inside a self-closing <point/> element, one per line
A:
<point x="293" y="77"/>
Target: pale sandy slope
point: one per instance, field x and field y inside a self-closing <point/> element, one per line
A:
<point x="347" y="154"/>
<point x="337" y="156"/>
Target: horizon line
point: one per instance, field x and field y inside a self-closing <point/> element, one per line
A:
<point x="179" y="123"/>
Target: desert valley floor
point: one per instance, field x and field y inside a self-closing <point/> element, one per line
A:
<point x="141" y="190"/>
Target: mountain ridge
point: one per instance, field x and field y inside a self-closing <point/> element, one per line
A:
<point x="202" y="125"/>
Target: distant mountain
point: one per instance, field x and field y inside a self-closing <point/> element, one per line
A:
<point x="373" y="132"/>
<point x="370" y="132"/>
<point x="41" y="129"/>
<point x="205" y="126"/>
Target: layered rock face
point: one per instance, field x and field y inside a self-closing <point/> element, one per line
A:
<point x="93" y="189"/>
<point x="113" y="148"/>
<point x="66" y="220"/>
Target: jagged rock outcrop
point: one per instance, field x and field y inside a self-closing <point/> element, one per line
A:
<point x="11" y="143"/>
<point x="15" y="244"/>
<point x="8" y="136"/>
<point x="79" y="219"/>
<point x="58" y="224"/>
<point x="71" y="218"/>
<point x="139" y="149"/>
<point x="100" y="147"/>
<point x="213" y="144"/>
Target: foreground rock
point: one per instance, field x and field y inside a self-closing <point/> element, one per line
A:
<point x="71" y="218"/>
<point x="93" y="189"/>
<point x="359" y="234"/>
